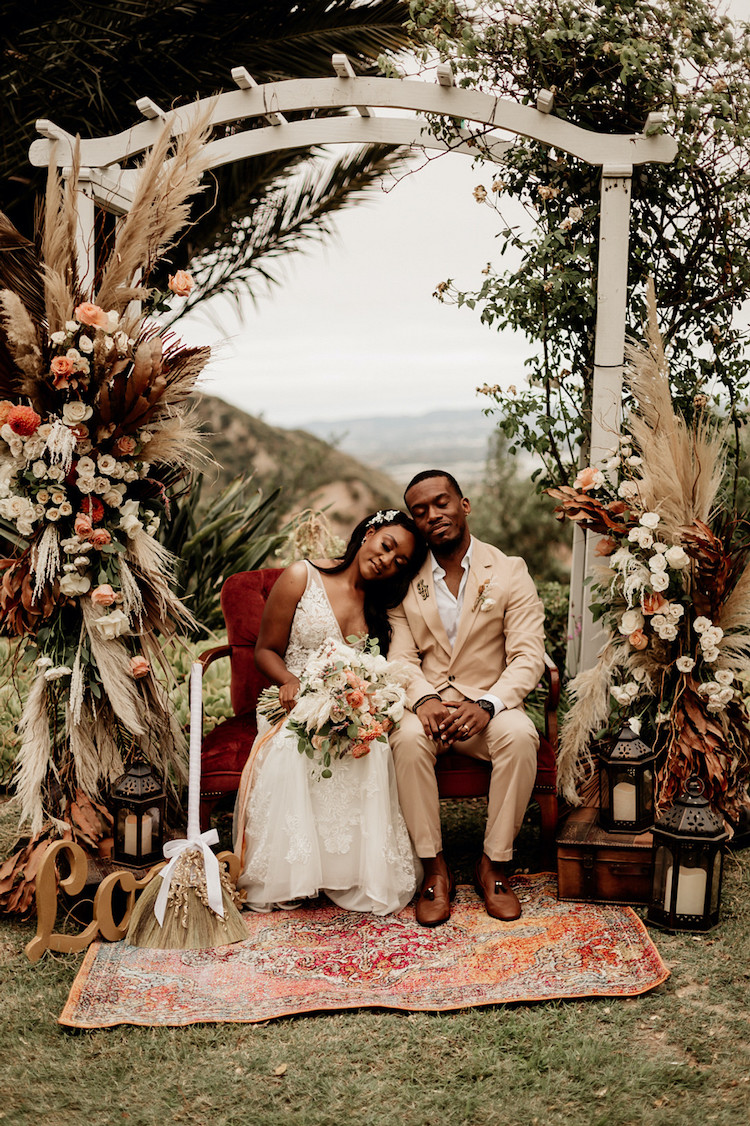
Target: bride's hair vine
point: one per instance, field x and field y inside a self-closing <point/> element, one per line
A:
<point x="383" y="516"/>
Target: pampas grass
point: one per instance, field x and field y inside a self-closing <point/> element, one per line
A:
<point x="35" y="754"/>
<point x="589" y="713"/>
<point x="159" y="210"/>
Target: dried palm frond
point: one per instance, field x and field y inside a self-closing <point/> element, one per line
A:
<point x="20" y="269"/>
<point x="159" y="210"/>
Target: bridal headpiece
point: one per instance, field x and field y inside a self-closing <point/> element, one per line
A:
<point x="384" y="516"/>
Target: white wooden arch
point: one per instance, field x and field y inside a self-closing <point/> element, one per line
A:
<point x="350" y="104"/>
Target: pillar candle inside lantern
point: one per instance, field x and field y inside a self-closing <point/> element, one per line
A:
<point x="131" y="834"/>
<point x="623" y="802"/>
<point x="691" y="890"/>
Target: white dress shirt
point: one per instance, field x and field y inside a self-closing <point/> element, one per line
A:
<point x="449" y="606"/>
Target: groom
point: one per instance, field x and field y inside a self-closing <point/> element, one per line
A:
<point x="472" y="625"/>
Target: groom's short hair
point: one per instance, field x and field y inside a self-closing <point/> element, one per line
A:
<point x="426" y="474"/>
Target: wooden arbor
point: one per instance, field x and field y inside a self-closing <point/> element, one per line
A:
<point x="482" y="123"/>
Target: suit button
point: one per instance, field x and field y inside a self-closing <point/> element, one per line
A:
<point x="451" y="678"/>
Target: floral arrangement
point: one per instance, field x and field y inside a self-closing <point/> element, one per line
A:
<point x="94" y="428"/>
<point x="349" y="698"/>
<point x="673" y="593"/>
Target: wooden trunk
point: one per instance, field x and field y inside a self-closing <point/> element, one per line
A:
<point x="596" y="866"/>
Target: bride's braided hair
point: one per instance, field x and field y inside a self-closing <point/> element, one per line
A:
<point x="383" y="595"/>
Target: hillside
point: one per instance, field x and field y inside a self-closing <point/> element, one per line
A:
<point x="310" y="472"/>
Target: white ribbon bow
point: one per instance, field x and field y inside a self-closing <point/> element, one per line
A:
<point x="173" y="850"/>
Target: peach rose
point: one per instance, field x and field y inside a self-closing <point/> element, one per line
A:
<point x="638" y="639"/>
<point x="23" y="420"/>
<point x="88" y="314"/>
<point x="62" y="369"/>
<point x="605" y="546"/>
<point x="5" y="408"/>
<point x="653" y="603"/>
<point x="125" y="445"/>
<point x="100" y="537"/>
<point x="83" y="526"/>
<point x="103" y="595"/>
<point x="367" y="734"/>
<point x="355" y="698"/>
<point x="359" y="750"/>
<point x="181" y="283"/>
<point x="589" y="478"/>
<point x="139" y="666"/>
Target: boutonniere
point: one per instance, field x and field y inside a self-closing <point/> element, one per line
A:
<point x="423" y="589"/>
<point x="483" y="602"/>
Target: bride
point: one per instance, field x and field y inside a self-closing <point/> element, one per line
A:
<point x="298" y="834"/>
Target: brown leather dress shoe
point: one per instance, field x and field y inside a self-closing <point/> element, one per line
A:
<point x="500" y="901"/>
<point x="438" y="889"/>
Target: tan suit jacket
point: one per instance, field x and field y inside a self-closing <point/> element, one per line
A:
<point x="498" y="649"/>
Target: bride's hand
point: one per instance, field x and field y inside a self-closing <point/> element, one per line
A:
<point x="288" y="692"/>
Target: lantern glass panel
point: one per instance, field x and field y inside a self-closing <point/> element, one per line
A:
<point x="663" y="863"/>
<point x="716" y="881"/>
<point x="692" y="880"/>
<point x="648" y="792"/>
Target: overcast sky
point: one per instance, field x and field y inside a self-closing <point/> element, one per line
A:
<point x="354" y="329"/>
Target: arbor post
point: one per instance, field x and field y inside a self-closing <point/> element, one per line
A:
<point x="585" y="635"/>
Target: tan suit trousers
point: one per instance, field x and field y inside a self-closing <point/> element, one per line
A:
<point x="509" y="742"/>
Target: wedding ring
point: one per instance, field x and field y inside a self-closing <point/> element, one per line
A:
<point x="465" y="727"/>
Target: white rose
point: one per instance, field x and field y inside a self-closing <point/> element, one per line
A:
<point x="701" y="624"/>
<point x="73" y="584"/>
<point x="112" y="498"/>
<point x="674" y="611"/>
<point x="676" y="557"/>
<point x="55" y="473"/>
<point x="659" y="581"/>
<point x="76" y="412"/>
<point x="635" y="460"/>
<point x="58" y="497"/>
<point x="487" y="604"/>
<point x="85" y="484"/>
<point x="668" y="632"/>
<point x="685" y="664"/>
<point x="725" y="695"/>
<point x="101" y="484"/>
<point x="39" y="469"/>
<point x="711" y="636"/>
<point x="86" y="345"/>
<point x="66" y="508"/>
<point x="650" y="520"/>
<point x="145" y="437"/>
<point x="631" y="620"/>
<point x="724" y="677"/>
<point x="131" y="525"/>
<point x="57" y="672"/>
<point x="660" y="547"/>
<point x="72" y="326"/>
<point x="620" y="695"/>
<point x="113" y="319"/>
<point x="107" y="463"/>
<point x="634" y="724"/>
<point x="112" y="625"/>
<point x="121" y="342"/>
<point x="130" y="475"/>
<point x="710" y="655"/>
<point x="709" y="687"/>
<point x="25" y="526"/>
<point x="628" y="490"/>
<point x="657" y="563"/>
<point x="85" y="467"/>
<point x="57" y="338"/>
<point x="53" y="514"/>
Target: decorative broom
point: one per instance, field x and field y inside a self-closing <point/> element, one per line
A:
<point x="190" y="904"/>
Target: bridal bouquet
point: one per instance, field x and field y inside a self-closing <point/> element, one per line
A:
<point x="349" y="698"/>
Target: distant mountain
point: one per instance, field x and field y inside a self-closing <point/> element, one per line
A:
<point x="404" y="444"/>
<point x="310" y="472"/>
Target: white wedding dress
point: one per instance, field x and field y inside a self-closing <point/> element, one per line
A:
<point x="343" y="835"/>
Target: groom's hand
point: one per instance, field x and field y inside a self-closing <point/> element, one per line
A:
<point x="431" y="713"/>
<point x="465" y="720"/>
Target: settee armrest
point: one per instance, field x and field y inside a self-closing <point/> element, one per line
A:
<point x="208" y="656"/>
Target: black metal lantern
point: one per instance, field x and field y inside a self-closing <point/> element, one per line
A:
<point x="688" y="863"/>
<point x="139" y="803"/>
<point x="626" y="784"/>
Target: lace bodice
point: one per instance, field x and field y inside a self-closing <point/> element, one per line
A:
<point x="314" y="621"/>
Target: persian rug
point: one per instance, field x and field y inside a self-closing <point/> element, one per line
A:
<point x="321" y="958"/>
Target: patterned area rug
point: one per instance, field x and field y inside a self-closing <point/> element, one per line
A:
<point x="322" y="958"/>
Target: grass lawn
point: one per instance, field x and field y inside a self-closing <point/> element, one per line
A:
<point x="680" y="1054"/>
